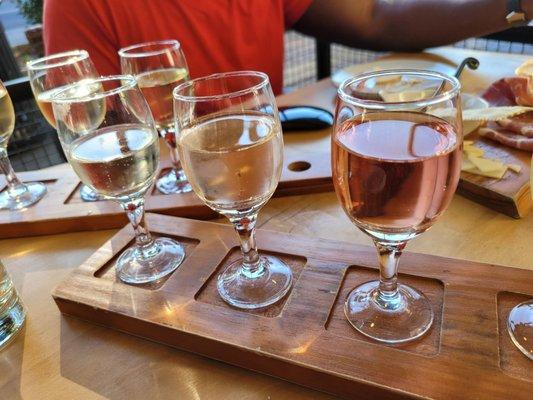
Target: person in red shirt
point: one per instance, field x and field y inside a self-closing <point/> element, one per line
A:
<point x="215" y="35"/>
<point x="227" y="35"/>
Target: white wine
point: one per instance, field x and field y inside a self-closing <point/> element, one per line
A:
<point x="44" y="102"/>
<point x="233" y="162"/>
<point x="7" y="117"/>
<point x="157" y="86"/>
<point x="82" y="117"/>
<point x="118" y="161"/>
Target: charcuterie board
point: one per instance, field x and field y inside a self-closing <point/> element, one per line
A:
<point x="510" y="195"/>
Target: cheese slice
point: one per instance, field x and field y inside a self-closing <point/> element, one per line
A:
<point x="382" y="80"/>
<point x="467" y="165"/>
<point x="474" y="163"/>
<point x="473" y="151"/>
<point x="494" y="174"/>
<point x="410" y="95"/>
<point x="487" y="165"/>
<point x="490" y="174"/>
<point x="515" y="168"/>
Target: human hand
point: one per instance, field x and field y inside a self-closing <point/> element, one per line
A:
<point x="527" y="6"/>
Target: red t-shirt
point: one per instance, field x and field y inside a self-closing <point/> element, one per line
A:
<point x="215" y="35"/>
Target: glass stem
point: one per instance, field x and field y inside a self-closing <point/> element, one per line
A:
<point x="170" y="139"/>
<point x="6" y="168"/>
<point x="389" y="254"/>
<point x="251" y="264"/>
<point x="143" y="239"/>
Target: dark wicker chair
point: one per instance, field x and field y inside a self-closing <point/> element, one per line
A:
<point x="34" y="143"/>
<point x="307" y="60"/>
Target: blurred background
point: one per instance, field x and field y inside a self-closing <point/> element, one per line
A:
<point x="35" y="145"/>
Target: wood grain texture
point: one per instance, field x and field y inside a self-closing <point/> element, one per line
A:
<point x="299" y="342"/>
<point x="63" y="358"/>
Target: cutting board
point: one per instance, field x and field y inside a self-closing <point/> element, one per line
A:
<point x="510" y="195"/>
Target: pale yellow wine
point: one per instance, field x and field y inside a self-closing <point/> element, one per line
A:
<point x="157" y="86"/>
<point x="116" y="161"/>
<point x="83" y="116"/>
<point x="7" y="117"/>
<point x="233" y="162"/>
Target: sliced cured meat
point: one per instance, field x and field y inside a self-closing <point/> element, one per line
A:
<point x="522" y="87"/>
<point x="507" y="138"/>
<point x="499" y="94"/>
<point x="510" y="91"/>
<point x="516" y="126"/>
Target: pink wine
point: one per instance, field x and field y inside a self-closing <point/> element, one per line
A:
<point x="395" y="172"/>
<point x="157" y="86"/>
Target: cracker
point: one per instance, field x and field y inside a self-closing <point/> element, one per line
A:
<point x="483" y="114"/>
<point x="494" y="113"/>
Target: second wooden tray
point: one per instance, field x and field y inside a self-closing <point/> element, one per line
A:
<point x="305" y="338"/>
<point x="62" y="209"/>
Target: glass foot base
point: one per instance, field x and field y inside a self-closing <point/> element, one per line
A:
<point x="173" y="182"/>
<point x="87" y="194"/>
<point x="133" y="268"/>
<point x="22" y="196"/>
<point x="258" y="290"/>
<point x="11" y="321"/>
<point x="520" y="327"/>
<point x="400" y="319"/>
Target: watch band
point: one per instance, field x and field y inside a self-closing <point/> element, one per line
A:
<point x="515" y="15"/>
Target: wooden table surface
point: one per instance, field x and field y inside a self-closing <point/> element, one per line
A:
<point x="58" y="357"/>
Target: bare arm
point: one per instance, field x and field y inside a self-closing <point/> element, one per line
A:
<point x="404" y="24"/>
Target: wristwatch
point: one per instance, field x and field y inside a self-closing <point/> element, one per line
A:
<point x="515" y="15"/>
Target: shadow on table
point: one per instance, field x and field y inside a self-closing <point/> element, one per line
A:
<point x="11" y="367"/>
<point x="119" y="366"/>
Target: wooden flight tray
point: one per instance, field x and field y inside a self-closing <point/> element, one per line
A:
<point x="62" y="210"/>
<point x="305" y="338"/>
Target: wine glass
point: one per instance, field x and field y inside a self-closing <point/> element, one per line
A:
<point x="13" y="315"/>
<point x="17" y="195"/>
<point x="108" y="134"/>
<point x="396" y="164"/>
<point x="50" y="74"/>
<point x="231" y="147"/>
<point x="520" y="320"/>
<point x="159" y="67"/>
